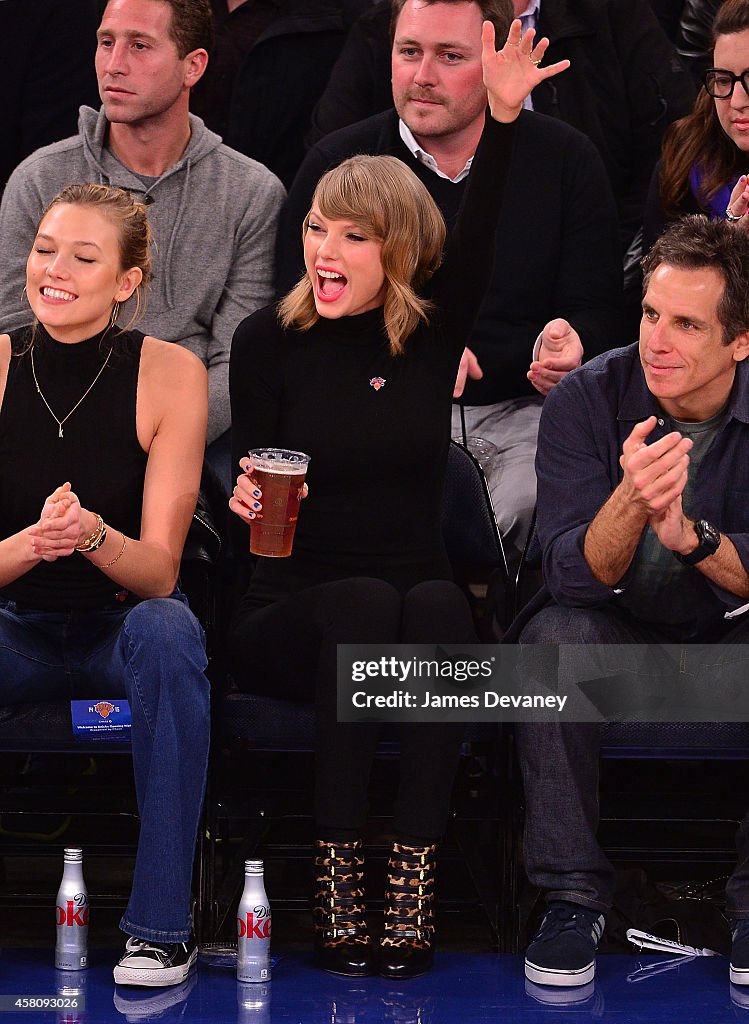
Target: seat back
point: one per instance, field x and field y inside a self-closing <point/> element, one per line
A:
<point x="469" y="526"/>
<point x="724" y="741"/>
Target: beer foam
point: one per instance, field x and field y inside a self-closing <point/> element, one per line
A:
<point x="279" y="468"/>
<point x="279" y="460"/>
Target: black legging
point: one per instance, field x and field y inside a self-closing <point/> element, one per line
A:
<point x="281" y="648"/>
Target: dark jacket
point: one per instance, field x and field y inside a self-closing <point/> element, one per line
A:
<point x="281" y="79"/>
<point x="48" y="72"/>
<point x="556" y="247"/>
<point x="359" y="83"/>
<point x="625" y="85"/>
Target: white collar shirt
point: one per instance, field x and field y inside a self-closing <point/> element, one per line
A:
<point x="426" y="158"/>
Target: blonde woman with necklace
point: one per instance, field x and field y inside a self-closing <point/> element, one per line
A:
<point x="102" y="432"/>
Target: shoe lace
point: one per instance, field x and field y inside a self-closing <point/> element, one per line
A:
<point x="567" y="919"/>
<point x="136" y="945"/>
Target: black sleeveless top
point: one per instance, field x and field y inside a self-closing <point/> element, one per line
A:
<point x="99" y="454"/>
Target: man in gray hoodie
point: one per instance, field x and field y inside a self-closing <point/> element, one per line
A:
<point x="213" y="211"/>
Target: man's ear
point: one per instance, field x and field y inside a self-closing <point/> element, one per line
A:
<point x="195" y="64"/>
<point x="741" y="346"/>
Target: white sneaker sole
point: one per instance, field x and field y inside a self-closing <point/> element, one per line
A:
<point x="154" y="977"/>
<point x="561" y="979"/>
<point x="739" y="975"/>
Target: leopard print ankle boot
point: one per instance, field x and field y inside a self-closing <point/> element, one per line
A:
<point x="407" y="946"/>
<point x="342" y="941"/>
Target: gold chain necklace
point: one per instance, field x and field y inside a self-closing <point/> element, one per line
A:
<point x="85" y="394"/>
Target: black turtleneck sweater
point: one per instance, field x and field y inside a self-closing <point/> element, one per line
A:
<point x="99" y="454"/>
<point x="378" y="454"/>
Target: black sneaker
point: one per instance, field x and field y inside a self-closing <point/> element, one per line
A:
<point x="739" y="971"/>
<point x="155" y="963"/>
<point x="563" y="950"/>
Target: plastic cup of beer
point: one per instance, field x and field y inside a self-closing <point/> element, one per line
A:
<point x="279" y="473"/>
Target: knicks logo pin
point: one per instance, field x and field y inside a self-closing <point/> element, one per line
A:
<point x="377" y="383"/>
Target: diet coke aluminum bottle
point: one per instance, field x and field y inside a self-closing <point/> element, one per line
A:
<point x="253" y="927"/>
<point x="71" y="949"/>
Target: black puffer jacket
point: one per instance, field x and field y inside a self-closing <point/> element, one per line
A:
<point x="694" y="39"/>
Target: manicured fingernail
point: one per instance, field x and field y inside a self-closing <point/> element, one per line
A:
<point x="256" y="494"/>
<point x="250" y="515"/>
<point x="256" y="504"/>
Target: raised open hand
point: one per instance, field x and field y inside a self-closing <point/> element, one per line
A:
<point x="738" y="205"/>
<point x="511" y="73"/>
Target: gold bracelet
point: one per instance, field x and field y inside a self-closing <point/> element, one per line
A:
<point x="98" y="542"/>
<point x="95" y="539"/>
<point x="106" y="565"/>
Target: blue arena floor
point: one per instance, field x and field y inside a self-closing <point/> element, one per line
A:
<point x="475" y="987"/>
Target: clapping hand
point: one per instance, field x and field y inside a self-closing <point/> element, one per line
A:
<point x="655" y="475"/>
<point x="511" y="74"/>
<point x="58" y="530"/>
<point x="671" y="526"/>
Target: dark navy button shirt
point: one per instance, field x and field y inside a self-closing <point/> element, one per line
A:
<point x="584" y="424"/>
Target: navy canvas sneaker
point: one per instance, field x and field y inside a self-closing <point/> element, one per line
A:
<point x="739" y="971"/>
<point x="155" y="963"/>
<point x="563" y="950"/>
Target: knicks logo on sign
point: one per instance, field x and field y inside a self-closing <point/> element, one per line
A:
<point x="104" y="708"/>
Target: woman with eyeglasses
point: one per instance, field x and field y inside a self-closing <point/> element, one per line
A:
<point x="705" y="158"/>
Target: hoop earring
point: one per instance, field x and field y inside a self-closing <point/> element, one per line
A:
<point x="115" y="314"/>
<point x="24" y="296"/>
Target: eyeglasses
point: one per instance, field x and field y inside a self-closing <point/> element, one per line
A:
<point x="720" y="83"/>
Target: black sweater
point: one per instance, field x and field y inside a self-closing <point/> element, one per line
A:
<point x="377" y="454"/>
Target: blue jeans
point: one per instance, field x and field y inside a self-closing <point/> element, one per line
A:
<point x="154" y="655"/>
<point x="559" y="762"/>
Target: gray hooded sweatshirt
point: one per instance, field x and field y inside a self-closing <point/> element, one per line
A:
<point x="213" y="215"/>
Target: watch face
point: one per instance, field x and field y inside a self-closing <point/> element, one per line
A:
<point x="707" y="534"/>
